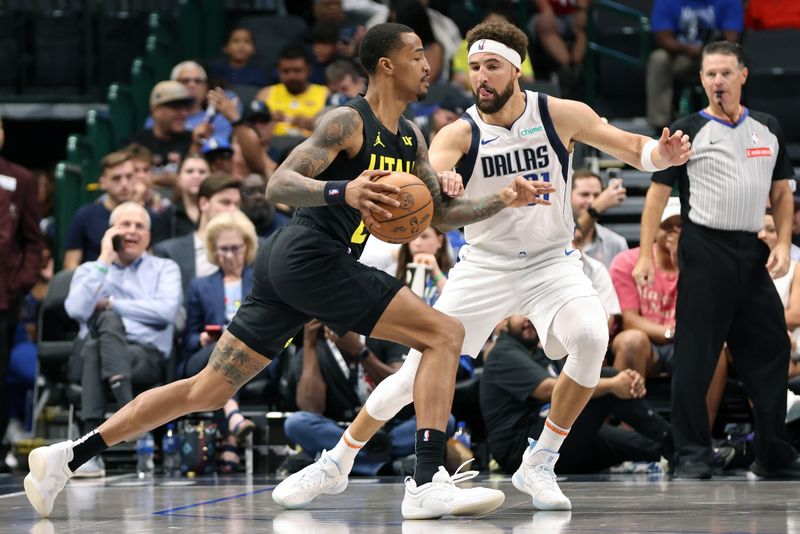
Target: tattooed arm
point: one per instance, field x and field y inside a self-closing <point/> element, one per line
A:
<point x="294" y="182"/>
<point x="451" y="143"/>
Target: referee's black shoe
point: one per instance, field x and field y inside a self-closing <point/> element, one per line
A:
<point x="788" y="472"/>
<point x="721" y="457"/>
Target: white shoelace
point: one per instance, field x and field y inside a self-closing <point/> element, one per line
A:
<point x="460" y="477"/>
<point x="546" y="474"/>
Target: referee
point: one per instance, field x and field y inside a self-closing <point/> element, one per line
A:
<point x="738" y="162"/>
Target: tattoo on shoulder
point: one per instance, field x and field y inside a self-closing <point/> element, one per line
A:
<point x="313" y="156"/>
<point x="234" y="363"/>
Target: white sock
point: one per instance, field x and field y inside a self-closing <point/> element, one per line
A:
<point x="551" y="438"/>
<point x="344" y="453"/>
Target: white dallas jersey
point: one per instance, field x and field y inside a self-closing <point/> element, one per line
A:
<point x="530" y="148"/>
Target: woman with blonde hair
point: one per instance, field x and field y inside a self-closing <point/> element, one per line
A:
<point x="231" y="244"/>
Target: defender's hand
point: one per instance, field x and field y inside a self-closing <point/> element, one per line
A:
<point x="521" y="192"/>
<point x="451" y="183"/>
<point x="674" y="149"/>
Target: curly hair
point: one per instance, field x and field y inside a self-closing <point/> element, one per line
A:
<point x="501" y="31"/>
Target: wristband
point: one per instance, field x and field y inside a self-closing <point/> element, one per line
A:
<point x="363" y="355"/>
<point x="438" y="278"/>
<point x="593" y="213"/>
<point x="646" y="159"/>
<point x="334" y="192"/>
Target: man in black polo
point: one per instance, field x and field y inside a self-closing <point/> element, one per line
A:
<point x="738" y="163"/>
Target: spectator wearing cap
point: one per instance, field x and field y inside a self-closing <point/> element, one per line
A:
<point x="251" y="142"/>
<point x="294" y="102"/>
<point x="236" y="67"/>
<point x="344" y="82"/>
<point x="91" y="220"/>
<point x="218" y="193"/>
<point x="212" y="111"/>
<point x="218" y="153"/>
<point x="167" y="138"/>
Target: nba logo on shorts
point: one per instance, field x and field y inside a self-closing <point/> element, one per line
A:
<point x="426" y="436"/>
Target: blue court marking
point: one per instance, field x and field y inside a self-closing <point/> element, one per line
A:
<point x="171" y="511"/>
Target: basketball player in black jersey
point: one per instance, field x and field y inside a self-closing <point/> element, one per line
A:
<point x="309" y="270"/>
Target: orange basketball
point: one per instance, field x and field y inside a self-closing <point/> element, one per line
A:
<point x="411" y="217"/>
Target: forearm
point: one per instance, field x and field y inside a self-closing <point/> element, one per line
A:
<point x="154" y="312"/>
<point x="653" y="330"/>
<point x="458" y="212"/>
<point x="604" y="387"/>
<point x="251" y="148"/>
<point x="654" y="203"/>
<point x="311" y="389"/>
<point x="376" y="369"/>
<point x="783" y="212"/>
<point x="85" y="290"/>
<point x="292" y="188"/>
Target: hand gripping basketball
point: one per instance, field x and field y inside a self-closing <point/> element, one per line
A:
<point x="365" y="194"/>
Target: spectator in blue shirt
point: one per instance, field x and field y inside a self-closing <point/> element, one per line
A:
<point x="681" y="28"/>
<point x="236" y="67"/>
<point x="91" y="220"/>
<point x="126" y="303"/>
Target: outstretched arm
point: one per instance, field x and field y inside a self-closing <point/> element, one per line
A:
<point x="575" y="121"/>
<point x="449" y="213"/>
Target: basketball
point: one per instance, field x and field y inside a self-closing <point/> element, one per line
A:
<point x="411" y="217"/>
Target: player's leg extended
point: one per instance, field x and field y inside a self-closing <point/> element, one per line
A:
<point x="232" y="364"/>
<point x="580" y="328"/>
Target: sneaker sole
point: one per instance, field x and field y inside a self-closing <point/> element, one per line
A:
<point x="89" y="474"/>
<point x="281" y="501"/>
<point x="35" y="496"/>
<point x="475" y="508"/>
<point x="517" y="481"/>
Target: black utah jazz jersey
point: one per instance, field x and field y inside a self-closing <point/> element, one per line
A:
<point x="382" y="150"/>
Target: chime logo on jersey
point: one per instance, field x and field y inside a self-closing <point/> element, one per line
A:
<point x="524" y="132"/>
<point x="516" y="162"/>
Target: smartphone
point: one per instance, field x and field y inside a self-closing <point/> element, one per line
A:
<point x="116" y="243"/>
<point x="214" y="330"/>
<point x="614" y="177"/>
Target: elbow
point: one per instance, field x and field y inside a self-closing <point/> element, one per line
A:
<point x="273" y="187"/>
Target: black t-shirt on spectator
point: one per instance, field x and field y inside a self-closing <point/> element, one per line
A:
<point x="164" y="152"/>
<point x="172" y="222"/>
<point x="510" y="374"/>
<point x="87" y="229"/>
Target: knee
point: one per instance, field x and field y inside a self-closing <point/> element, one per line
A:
<point x="660" y="59"/>
<point x="450" y="336"/>
<point x="108" y="320"/>
<point x="632" y="343"/>
<point x="295" y="424"/>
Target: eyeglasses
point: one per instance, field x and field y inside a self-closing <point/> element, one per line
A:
<point x="186" y="81"/>
<point x="232" y="249"/>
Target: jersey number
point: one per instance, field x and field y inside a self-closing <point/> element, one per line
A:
<point x="545" y="177"/>
<point x="360" y="235"/>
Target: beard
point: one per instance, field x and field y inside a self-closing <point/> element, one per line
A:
<point x="528" y="343"/>
<point x="495" y="104"/>
<point x="260" y="215"/>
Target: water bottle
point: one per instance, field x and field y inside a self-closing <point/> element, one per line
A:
<point x="145" y="446"/>
<point x="169" y="448"/>
<point x="462" y="434"/>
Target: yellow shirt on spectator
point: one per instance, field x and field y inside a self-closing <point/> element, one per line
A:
<point x="307" y="104"/>
<point x="461" y="61"/>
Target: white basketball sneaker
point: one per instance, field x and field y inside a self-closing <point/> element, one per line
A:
<point x="536" y="477"/>
<point x="299" y="489"/>
<point x="49" y="473"/>
<point x="441" y="497"/>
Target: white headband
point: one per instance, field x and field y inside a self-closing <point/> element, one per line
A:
<point x="496" y="47"/>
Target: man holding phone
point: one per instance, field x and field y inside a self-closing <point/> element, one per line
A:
<point x="126" y="303"/>
<point x="589" y="201"/>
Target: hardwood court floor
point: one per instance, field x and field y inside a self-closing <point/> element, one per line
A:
<point x="617" y="503"/>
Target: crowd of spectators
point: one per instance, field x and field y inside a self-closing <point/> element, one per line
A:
<point x="162" y="258"/>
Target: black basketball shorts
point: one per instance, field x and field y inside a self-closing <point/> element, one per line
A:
<point x="300" y="274"/>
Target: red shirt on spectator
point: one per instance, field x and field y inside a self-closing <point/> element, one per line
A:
<point x="772" y="14"/>
<point x="655" y="303"/>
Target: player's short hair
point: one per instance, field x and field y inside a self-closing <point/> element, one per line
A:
<point x="216" y="182"/>
<point x="113" y="159"/>
<point x="500" y="31"/>
<point x="582" y="174"/>
<point x="727" y="48"/>
<point x="380" y="41"/>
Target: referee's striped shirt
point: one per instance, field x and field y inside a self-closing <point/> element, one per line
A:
<point x="725" y="184"/>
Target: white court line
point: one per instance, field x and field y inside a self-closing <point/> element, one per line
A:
<point x="17" y="494"/>
<point x="79" y="484"/>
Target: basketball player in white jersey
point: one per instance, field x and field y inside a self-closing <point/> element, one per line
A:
<point x="517" y="262"/>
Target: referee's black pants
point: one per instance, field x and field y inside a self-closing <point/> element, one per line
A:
<point x="725" y="294"/>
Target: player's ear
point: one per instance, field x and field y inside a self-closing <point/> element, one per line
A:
<point x="385" y="64"/>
